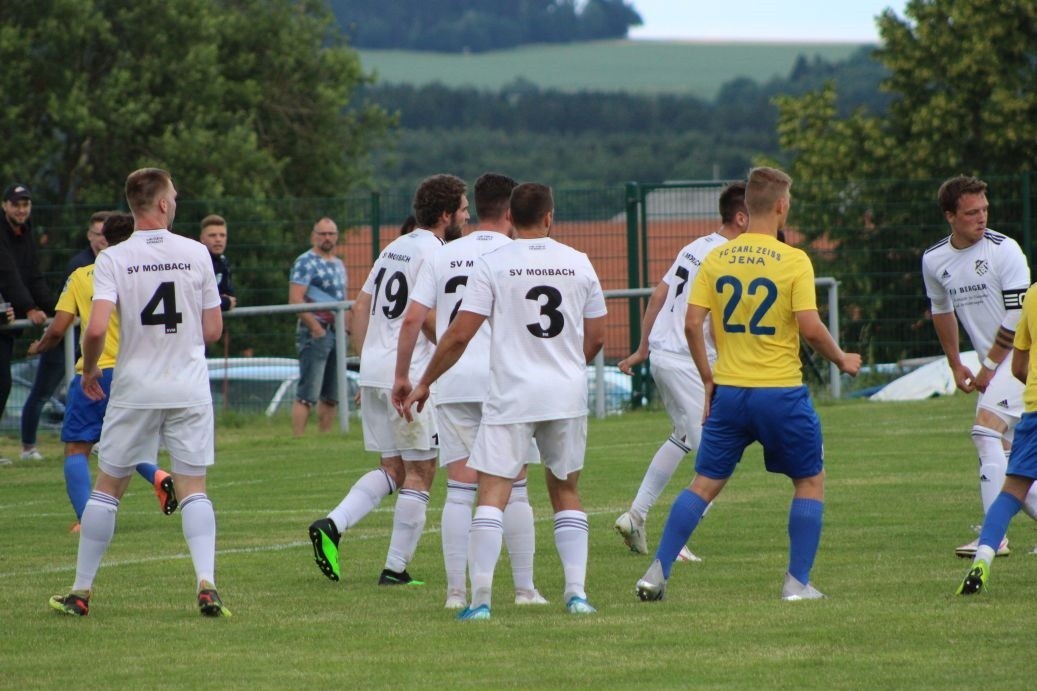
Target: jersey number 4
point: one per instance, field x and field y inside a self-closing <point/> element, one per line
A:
<point x="770" y="294"/>
<point x="165" y="296"/>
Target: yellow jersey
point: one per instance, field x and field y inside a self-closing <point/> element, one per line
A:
<point x="1024" y="334"/>
<point x="77" y="299"/>
<point x="753" y="286"/>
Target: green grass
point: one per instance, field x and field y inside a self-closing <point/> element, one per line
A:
<point x="636" y="66"/>
<point x="901" y="494"/>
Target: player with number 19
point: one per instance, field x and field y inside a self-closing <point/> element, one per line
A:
<point x="408" y="449"/>
<point x="760" y="295"/>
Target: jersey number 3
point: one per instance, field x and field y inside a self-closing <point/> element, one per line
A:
<point x="770" y="295"/>
<point x="165" y="295"/>
<point x="549" y="309"/>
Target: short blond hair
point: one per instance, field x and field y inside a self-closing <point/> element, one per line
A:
<point x="765" y="187"/>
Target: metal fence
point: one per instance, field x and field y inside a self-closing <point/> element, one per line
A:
<point x="868" y="235"/>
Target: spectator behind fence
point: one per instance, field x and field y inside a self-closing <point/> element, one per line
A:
<point x="50" y="369"/>
<point x="21" y="282"/>
<point x="317" y="276"/>
<point x="409" y="224"/>
<point x="214" y="236"/>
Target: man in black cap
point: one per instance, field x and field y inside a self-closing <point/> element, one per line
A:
<point x="21" y="282"/>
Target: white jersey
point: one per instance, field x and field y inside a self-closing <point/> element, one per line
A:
<point x="983" y="284"/>
<point x="668" y="331"/>
<point x="441" y="285"/>
<point x="536" y="294"/>
<point x="160" y="284"/>
<point x="389" y="284"/>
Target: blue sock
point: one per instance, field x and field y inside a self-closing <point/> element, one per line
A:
<point x="77" y="482"/>
<point x="147" y="471"/>
<point x="999" y="515"/>
<point x="804" y="536"/>
<point x="685" y="515"/>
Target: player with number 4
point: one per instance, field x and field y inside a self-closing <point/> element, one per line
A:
<point x="760" y="296"/>
<point x="408" y="449"/>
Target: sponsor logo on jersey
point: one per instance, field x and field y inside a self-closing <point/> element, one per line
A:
<point x="982" y="267"/>
<point x="1003" y="403"/>
<point x="946" y="275"/>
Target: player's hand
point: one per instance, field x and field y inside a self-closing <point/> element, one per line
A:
<point x="963" y="378"/>
<point x="91" y="383"/>
<point x="709" y="388"/>
<point x="419" y="395"/>
<point x="982" y="379"/>
<point x="627" y="364"/>
<point x="850" y="364"/>
<point x="400" y="390"/>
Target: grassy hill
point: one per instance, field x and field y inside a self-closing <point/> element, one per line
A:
<point x="696" y="68"/>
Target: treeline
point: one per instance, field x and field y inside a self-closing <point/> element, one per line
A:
<point x="591" y="138"/>
<point x="454" y="26"/>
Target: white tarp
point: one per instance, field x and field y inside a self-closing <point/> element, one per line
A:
<point x="933" y="379"/>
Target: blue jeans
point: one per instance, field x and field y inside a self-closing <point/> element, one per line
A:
<point x="50" y="370"/>
<point x="317" y="377"/>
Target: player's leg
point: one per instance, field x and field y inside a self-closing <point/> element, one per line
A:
<point x="188" y="434"/>
<point x="520" y="538"/>
<point x="80" y="430"/>
<point x="497" y="456"/>
<point x="458" y="424"/>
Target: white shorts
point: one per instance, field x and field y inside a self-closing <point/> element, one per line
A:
<point x="388" y="433"/>
<point x="682" y="393"/>
<point x="499" y="449"/>
<point x="132" y="435"/>
<point x="1004" y="395"/>
<point x="458" y="426"/>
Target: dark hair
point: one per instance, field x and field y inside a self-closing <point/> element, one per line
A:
<point x="117" y="227"/>
<point x="100" y="216"/>
<point x="144" y="186"/>
<point x="732" y="200"/>
<point x="530" y="201"/>
<point x="492" y="195"/>
<point x="765" y="186"/>
<point x="436" y="195"/>
<point x="409" y="224"/>
<point x="213" y="220"/>
<point x="955" y="188"/>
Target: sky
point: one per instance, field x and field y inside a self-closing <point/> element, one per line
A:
<point x="822" y="21"/>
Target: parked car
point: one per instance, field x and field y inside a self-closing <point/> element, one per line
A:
<point x="259" y="383"/>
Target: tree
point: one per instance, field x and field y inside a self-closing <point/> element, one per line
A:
<point x="92" y="89"/>
<point x="964" y="100"/>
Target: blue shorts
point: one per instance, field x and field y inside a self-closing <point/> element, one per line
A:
<point x="781" y="419"/>
<point x="83" y="417"/>
<point x="1023" y="459"/>
<point x="317" y="376"/>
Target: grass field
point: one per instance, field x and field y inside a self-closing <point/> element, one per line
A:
<point x="901" y="494"/>
<point x="635" y="66"/>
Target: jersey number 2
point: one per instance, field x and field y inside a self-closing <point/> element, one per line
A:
<point x="165" y="295"/>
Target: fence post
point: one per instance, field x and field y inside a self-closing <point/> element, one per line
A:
<point x="633" y="199"/>
<point x="1024" y="185"/>
<point x="376" y="226"/>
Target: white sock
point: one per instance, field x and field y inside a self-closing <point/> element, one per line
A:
<point x="520" y="536"/>
<point x="992" y="463"/>
<point x="199" y="524"/>
<point x="456" y="521"/>
<point x="365" y="494"/>
<point x="484" y="543"/>
<point x="408" y="523"/>
<point x="571" y="532"/>
<point x="95" y="534"/>
<point x="660" y="470"/>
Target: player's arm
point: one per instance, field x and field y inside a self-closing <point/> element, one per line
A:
<point x="413" y="323"/>
<point x="655" y="304"/>
<point x="428" y="326"/>
<point x="694" y="331"/>
<point x="593" y="337"/>
<point x="93" y="346"/>
<point x="946" y="326"/>
<point x="448" y="352"/>
<point x="815" y="333"/>
<point x="54" y="333"/>
<point x="1020" y="364"/>
<point x="212" y="324"/>
<point x="297" y="296"/>
<point x="361" y="317"/>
